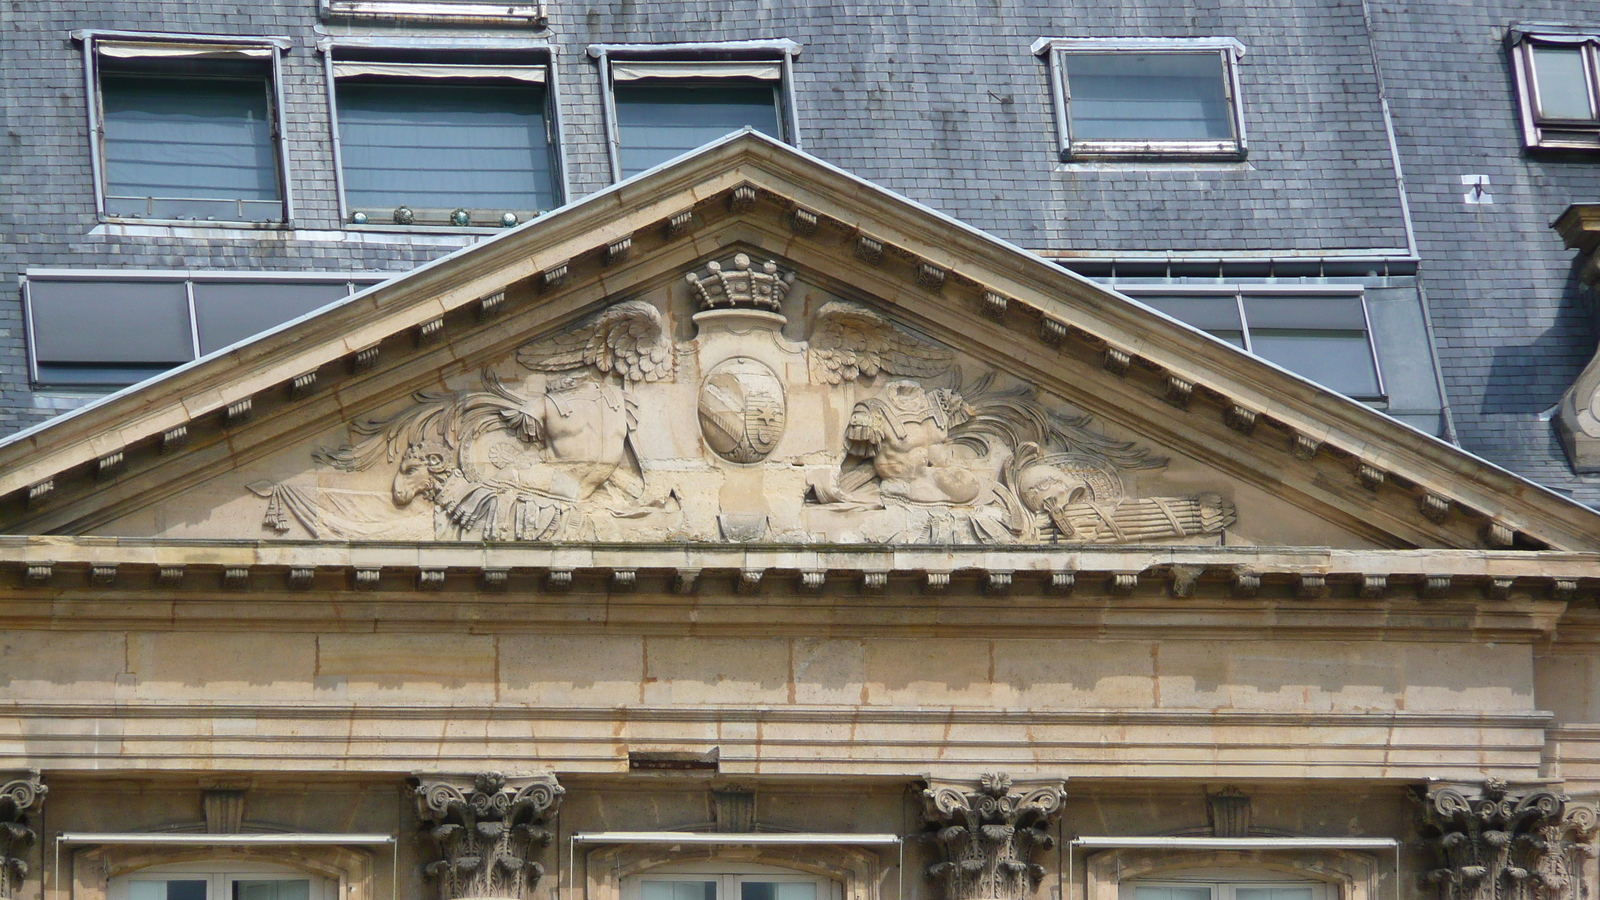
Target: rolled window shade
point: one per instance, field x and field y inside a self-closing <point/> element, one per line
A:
<point x="153" y="50"/>
<point x="532" y="74"/>
<point x="636" y="70"/>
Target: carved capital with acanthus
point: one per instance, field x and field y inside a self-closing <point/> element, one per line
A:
<point x="21" y="795"/>
<point x="485" y="829"/>
<point x="989" y="833"/>
<point x="1492" y="843"/>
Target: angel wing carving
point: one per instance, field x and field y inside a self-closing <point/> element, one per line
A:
<point x="850" y="342"/>
<point x="628" y="338"/>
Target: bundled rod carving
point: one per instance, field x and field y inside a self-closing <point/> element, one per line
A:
<point x="485" y="828"/>
<point x="988" y="837"/>
<point x="1504" y="846"/>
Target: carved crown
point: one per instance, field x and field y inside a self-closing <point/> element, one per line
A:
<point x="742" y="288"/>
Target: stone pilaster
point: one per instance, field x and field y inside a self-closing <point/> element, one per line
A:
<point x="485" y="828"/>
<point x="988" y="835"/>
<point x="1494" y="844"/>
<point x="21" y="795"/>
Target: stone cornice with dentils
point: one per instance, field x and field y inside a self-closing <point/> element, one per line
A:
<point x="1220" y="393"/>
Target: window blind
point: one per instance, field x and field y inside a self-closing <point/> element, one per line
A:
<point x="656" y="122"/>
<point x="1147" y="96"/>
<point x="436" y="146"/>
<point x="634" y="70"/>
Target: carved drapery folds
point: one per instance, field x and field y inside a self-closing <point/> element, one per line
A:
<point x="20" y="797"/>
<point x="1500" y="845"/>
<point x="988" y="836"/>
<point x="485" y="829"/>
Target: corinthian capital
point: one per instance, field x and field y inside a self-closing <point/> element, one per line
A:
<point x="485" y="828"/>
<point x="1493" y="843"/>
<point x="988" y="833"/>
<point x="21" y="794"/>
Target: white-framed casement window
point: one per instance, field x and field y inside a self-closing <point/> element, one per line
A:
<point x="187" y="128"/>
<point x="444" y="133"/>
<point x="1322" y="332"/>
<point x="664" y="100"/>
<point x="1225" y="884"/>
<point x="1558" y="87"/>
<point x="96" y="329"/>
<point x="1146" y="98"/>
<point x="221" y="880"/>
<point x="728" y="881"/>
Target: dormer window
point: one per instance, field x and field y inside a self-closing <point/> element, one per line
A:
<point x="1558" y="83"/>
<point x="666" y="100"/>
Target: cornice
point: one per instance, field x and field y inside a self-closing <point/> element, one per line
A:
<point x="1142" y="592"/>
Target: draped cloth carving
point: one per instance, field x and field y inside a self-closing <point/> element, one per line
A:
<point x="1494" y="844"/>
<point x="20" y="798"/>
<point x="988" y="836"/>
<point x="485" y="829"/>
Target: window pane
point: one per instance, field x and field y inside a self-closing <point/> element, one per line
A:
<point x="778" y="890"/>
<point x="1563" y="89"/>
<point x="1148" y="96"/>
<point x="147" y="890"/>
<point x="1171" y="892"/>
<point x="1208" y="313"/>
<point x="443" y="147"/>
<point x="111" y="322"/>
<point x="272" y="889"/>
<point x="1322" y="312"/>
<point x="169" y="889"/>
<point x="656" y="122"/>
<point x="678" y="890"/>
<point x="1273" y="893"/>
<point x="230" y="312"/>
<point x="1339" y="360"/>
<point x="198" y="147"/>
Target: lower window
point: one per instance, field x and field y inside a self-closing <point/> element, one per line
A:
<point x="220" y="881"/>
<point x="725" y="883"/>
<point x="1223" y="885"/>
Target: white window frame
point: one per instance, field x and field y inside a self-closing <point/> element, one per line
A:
<point x="781" y="52"/>
<point x="1239" y="292"/>
<point x="1538" y="130"/>
<point x="94" y="108"/>
<point x="555" y="122"/>
<point x="220" y="874"/>
<point x="1229" y="50"/>
<point x="729" y="875"/>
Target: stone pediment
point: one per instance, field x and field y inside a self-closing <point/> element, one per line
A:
<point x="754" y="348"/>
<point x="691" y="414"/>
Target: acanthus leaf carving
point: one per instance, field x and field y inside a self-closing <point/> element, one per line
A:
<point x="21" y="796"/>
<point x="485" y="830"/>
<point x="989" y="834"/>
<point x="1493" y="844"/>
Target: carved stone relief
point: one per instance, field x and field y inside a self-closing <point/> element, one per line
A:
<point x="485" y="829"/>
<point x="988" y="836"/>
<point x="20" y="798"/>
<point x="1493" y="844"/>
<point x="863" y="432"/>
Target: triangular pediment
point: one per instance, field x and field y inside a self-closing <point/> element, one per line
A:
<point x="749" y="346"/>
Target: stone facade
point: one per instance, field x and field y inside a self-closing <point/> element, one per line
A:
<point x="750" y="529"/>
